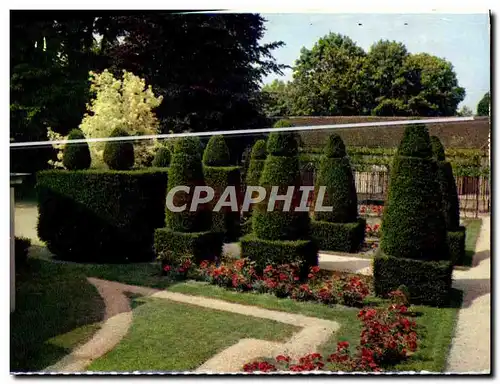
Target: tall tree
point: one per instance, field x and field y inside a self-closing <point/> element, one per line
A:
<point x="207" y="67"/>
<point x="483" y="107"/>
<point x="278" y="98"/>
<point x="327" y="77"/>
<point x="50" y="56"/>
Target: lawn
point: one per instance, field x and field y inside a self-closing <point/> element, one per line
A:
<point x="56" y="309"/>
<point x="68" y="310"/>
<point x="435" y="325"/>
<point x="473" y="227"/>
<point x="170" y="336"/>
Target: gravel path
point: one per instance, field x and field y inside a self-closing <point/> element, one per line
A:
<point x="470" y="350"/>
<point x="314" y="333"/>
<point x="118" y="318"/>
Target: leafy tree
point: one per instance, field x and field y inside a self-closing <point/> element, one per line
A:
<point x="327" y="77"/>
<point x="50" y="56"/>
<point x="465" y="111"/>
<point x="278" y="99"/>
<point x="483" y="107"/>
<point x="336" y="77"/>
<point x="207" y="67"/>
<point x="428" y="86"/>
<point x="120" y="103"/>
<point x="383" y="65"/>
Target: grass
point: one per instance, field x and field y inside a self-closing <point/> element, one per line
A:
<point x="56" y="309"/>
<point x="170" y="336"/>
<point x="167" y="340"/>
<point x="435" y="325"/>
<point x="473" y="227"/>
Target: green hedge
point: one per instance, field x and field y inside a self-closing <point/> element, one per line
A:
<point x="413" y="224"/>
<point x="172" y="247"/>
<point x="276" y="252"/>
<point x="225" y="221"/>
<point x="456" y="243"/>
<point x="429" y="282"/>
<point x="95" y="215"/>
<point x="341" y="237"/>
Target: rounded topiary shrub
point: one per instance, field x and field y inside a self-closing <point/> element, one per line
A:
<point x="187" y="234"/>
<point x="119" y="155"/>
<point x="186" y="170"/>
<point x="76" y="156"/>
<point x="450" y="205"/>
<point x="413" y="225"/>
<point x="216" y="153"/>
<point x="220" y="175"/>
<point x="288" y="124"/>
<point x="335" y="174"/>
<point x="339" y="228"/>
<point x="257" y="159"/>
<point x="448" y="186"/>
<point x="281" y="234"/>
<point x="281" y="169"/>
<point x="162" y="158"/>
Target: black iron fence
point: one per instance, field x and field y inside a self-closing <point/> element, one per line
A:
<point x="372" y="188"/>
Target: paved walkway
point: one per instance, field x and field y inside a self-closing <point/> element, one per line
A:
<point x="470" y="350"/>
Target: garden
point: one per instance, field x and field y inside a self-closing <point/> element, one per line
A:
<point x="106" y="221"/>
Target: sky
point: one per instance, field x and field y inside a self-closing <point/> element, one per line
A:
<point x="462" y="39"/>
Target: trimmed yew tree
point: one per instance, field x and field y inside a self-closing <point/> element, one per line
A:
<point x="340" y="228"/>
<point x="257" y="159"/>
<point x="119" y="155"/>
<point x="162" y="158"/>
<point x="187" y="234"/>
<point x="76" y="156"/>
<point x="280" y="236"/>
<point x="451" y="205"/>
<point x="219" y="175"/>
<point x="414" y="249"/>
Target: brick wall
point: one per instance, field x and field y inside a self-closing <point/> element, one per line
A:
<point x="467" y="134"/>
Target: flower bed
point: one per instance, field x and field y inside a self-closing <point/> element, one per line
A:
<point x="282" y="281"/>
<point x="373" y="230"/>
<point x="387" y="337"/>
<point x="371" y="210"/>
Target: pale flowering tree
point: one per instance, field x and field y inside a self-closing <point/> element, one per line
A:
<point x="126" y="103"/>
<point x="54" y="136"/>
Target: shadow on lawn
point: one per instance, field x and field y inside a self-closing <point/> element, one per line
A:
<point x="51" y="300"/>
<point x="57" y="307"/>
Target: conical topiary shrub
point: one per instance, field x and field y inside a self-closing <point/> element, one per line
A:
<point x="282" y="123"/>
<point x="339" y="228"/>
<point x="257" y="159"/>
<point x="76" y="156"/>
<point x="119" y="155"/>
<point x="451" y="207"/>
<point x="280" y="235"/>
<point x="162" y="158"/>
<point x="414" y="249"/>
<point x="220" y="175"/>
<point x="188" y="233"/>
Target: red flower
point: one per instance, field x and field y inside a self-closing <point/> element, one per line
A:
<point x="167" y="268"/>
<point x="282" y="358"/>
